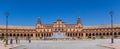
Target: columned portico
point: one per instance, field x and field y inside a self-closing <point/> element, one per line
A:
<point x="84" y="35"/>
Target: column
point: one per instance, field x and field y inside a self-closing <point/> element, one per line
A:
<point x="34" y="35"/>
<point x="72" y="35"/>
<point x="78" y="35"/>
<point x="40" y="35"/>
<point x="84" y="35"/>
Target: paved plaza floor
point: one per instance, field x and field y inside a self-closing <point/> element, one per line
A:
<point x="64" y="44"/>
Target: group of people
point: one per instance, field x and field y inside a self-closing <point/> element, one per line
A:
<point x="5" y="41"/>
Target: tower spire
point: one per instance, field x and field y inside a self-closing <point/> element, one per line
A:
<point x="38" y="21"/>
<point x="78" y="21"/>
<point x="59" y="18"/>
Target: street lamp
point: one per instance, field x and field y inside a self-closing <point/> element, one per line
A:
<point x="6" y="14"/>
<point x="112" y="38"/>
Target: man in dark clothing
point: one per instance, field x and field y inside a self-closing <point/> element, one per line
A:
<point x="16" y="40"/>
<point x="11" y="41"/>
<point x="29" y="40"/>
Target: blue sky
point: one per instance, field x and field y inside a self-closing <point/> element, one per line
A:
<point x="91" y="12"/>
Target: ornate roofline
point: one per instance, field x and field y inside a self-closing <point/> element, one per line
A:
<point x="84" y="27"/>
<point x="101" y="26"/>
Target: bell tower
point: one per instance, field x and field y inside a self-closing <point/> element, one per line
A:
<point x="79" y="22"/>
<point x="38" y="21"/>
<point x="38" y="25"/>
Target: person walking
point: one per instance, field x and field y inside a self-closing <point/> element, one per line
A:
<point x="4" y="42"/>
<point x="29" y="39"/>
<point x="11" y="41"/>
<point x="16" y="38"/>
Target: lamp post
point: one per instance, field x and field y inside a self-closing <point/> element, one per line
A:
<point x="112" y="38"/>
<point x="7" y="14"/>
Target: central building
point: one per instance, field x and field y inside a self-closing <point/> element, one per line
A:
<point x="47" y="30"/>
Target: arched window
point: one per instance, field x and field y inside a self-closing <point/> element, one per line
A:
<point x="119" y="33"/>
<point x="89" y="34"/>
<point x="10" y="34"/>
<point x="79" y="34"/>
<point x="28" y="35"/>
<point x="3" y="34"/>
<point x="67" y="34"/>
<point x="111" y="33"/>
<point x="86" y="34"/>
<point x="115" y="33"/>
<point x="76" y="34"/>
<point x="96" y="34"/>
<point x="42" y="34"/>
<point x="93" y="34"/>
<point x="21" y="34"/>
<point x="100" y="34"/>
<point x="17" y="34"/>
<point x="82" y="34"/>
<point x="36" y="35"/>
<point x="24" y="34"/>
<point x="31" y="35"/>
<point x="104" y="34"/>
<point x="107" y="34"/>
<point x="14" y="35"/>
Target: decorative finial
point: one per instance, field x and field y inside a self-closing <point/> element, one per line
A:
<point x="59" y="19"/>
<point x="7" y="13"/>
<point x="111" y="13"/>
<point x="78" y="16"/>
<point x="38" y="16"/>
